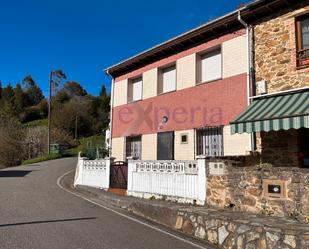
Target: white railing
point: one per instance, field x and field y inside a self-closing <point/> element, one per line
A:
<point x="184" y="181"/>
<point x="92" y="173"/>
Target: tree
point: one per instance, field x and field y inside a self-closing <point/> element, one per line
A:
<point x="70" y="90"/>
<point x="34" y="93"/>
<point x="0" y="90"/>
<point x="57" y="77"/>
<point x="19" y="100"/>
<point x="99" y="108"/>
<point x="102" y="93"/>
<point x="65" y="115"/>
<point x="7" y="102"/>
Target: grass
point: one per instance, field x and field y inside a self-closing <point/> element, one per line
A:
<point x="38" y="122"/>
<point x="96" y="140"/>
<point x="86" y="144"/>
<point x="41" y="159"/>
<point x="72" y="151"/>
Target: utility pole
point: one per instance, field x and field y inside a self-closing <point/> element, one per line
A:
<point x="76" y="117"/>
<point x="49" y="111"/>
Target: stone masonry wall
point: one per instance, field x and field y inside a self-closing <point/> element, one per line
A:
<point x="280" y="148"/>
<point x="275" y="53"/>
<point x="231" y="230"/>
<point x="240" y="188"/>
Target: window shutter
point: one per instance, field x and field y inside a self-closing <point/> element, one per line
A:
<point x="211" y="65"/>
<point x="137" y="89"/>
<point x="169" y="79"/>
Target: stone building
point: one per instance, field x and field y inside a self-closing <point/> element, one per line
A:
<point x="277" y="117"/>
<point x="280" y="66"/>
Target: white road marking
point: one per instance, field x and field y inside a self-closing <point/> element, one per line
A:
<point x="123" y="215"/>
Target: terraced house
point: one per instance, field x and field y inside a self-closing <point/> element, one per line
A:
<point x="175" y="100"/>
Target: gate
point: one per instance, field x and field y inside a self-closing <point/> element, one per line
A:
<point x="119" y="175"/>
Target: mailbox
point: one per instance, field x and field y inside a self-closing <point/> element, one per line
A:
<point x="274" y="188"/>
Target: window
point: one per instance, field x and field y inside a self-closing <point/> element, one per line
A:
<point x="167" y="79"/>
<point x="209" y="141"/>
<point x="302" y="37"/>
<point x="133" y="147"/>
<point x="209" y="66"/>
<point x="135" y="89"/>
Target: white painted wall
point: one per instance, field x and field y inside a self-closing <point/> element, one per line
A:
<point x="184" y="181"/>
<point x="93" y="173"/>
<point x="237" y="144"/>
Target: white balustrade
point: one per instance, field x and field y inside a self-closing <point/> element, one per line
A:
<point x="184" y="181"/>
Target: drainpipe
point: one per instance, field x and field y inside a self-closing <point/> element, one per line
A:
<point x="111" y="115"/>
<point x="252" y="138"/>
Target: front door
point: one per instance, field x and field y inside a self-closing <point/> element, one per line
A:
<point x="165" y="146"/>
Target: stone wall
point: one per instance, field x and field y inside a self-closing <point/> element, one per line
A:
<point x="280" y="148"/>
<point x="240" y="188"/>
<point x="236" y="230"/>
<point x="275" y="52"/>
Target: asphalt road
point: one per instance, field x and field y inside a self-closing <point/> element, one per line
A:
<point x="37" y="214"/>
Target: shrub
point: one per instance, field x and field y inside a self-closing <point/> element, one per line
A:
<point x="93" y="147"/>
<point x="35" y="141"/>
<point x="11" y="141"/>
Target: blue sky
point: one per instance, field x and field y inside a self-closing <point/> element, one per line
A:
<point x="84" y="37"/>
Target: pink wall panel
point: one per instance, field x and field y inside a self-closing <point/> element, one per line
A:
<point x="209" y="104"/>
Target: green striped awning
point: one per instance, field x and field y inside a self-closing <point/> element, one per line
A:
<point x="273" y="113"/>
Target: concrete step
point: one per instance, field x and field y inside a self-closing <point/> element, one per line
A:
<point x="118" y="191"/>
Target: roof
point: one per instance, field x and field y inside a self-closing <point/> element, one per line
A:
<point x="274" y="112"/>
<point x="227" y="23"/>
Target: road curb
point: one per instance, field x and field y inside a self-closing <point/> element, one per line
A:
<point x="155" y="212"/>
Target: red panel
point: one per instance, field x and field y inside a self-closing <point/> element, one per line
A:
<point x="208" y="104"/>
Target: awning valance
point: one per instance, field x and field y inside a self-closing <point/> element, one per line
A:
<point x="275" y="112"/>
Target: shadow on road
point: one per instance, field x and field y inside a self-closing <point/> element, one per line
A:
<point x="46" y="221"/>
<point x="14" y="173"/>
